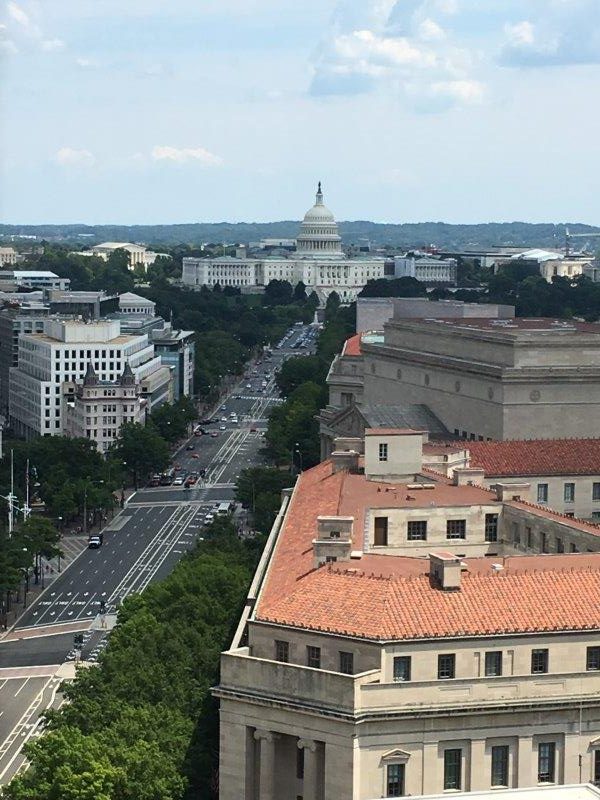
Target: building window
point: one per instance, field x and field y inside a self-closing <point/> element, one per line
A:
<point x="447" y="665"/>
<point x="300" y="763"/>
<point x="347" y="663"/>
<point x="593" y="659"/>
<point x="383" y="451"/>
<point x="560" y="545"/>
<point x="596" y="768"/>
<point x="313" y="657"/>
<point x="544" y="542"/>
<point x="539" y="661"/>
<point x="569" y="492"/>
<point x="596" y="492"/>
<point x="452" y="768"/>
<point x="542" y="492"/>
<point x="381" y="532"/>
<point x="456" y="529"/>
<point x="574" y="548"/>
<point x="401" y="668"/>
<point x="491" y="527"/>
<point x="282" y="651"/>
<point x="529" y="536"/>
<point x="493" y="663"/>
<point x="546" y="762"/>
<point x="395" y="780"/>
<point x="500" y="765"/>
<point x="347" y="398"/>
<point x="417" y="531"/>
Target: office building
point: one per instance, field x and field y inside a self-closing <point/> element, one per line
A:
<point x="176" y="349"/>
<point x="409" y="634"/>
<point x="28" y="317"/>
<point x="373" y="312"/>
<point x="33" y="279"/>
<point x="52" y="362"/>
<point x="484" y="378"/>
<point x="87" y="305"/>
<point x="430" y="270"/>
<point x="95" y="409"/>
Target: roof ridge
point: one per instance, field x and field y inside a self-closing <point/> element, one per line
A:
<point x="555" y="513"/>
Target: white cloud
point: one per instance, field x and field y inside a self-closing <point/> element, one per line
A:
<point x="430" y="31"/>
<point x="25" y="30"/>
<point x="555" y="33"/>
<point x="52" y="44"/>
<point x="406" y="52"/>
<point x="522" y="33"/>
<point x="86" y="63"/>
<point x="181" y="155"/>
<point x="18" y="14"/>
<point x="73" y="157"/>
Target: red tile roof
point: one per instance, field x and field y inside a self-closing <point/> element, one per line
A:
<point x="397" y="608"/>
<point x="532" y="457"/>
<point x="381" y="596"/>
<point x="352" y="346"/>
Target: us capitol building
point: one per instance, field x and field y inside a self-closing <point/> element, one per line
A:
<point x="318" y="262"/>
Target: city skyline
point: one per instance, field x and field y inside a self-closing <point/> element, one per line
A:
<point x="407" y="111"/>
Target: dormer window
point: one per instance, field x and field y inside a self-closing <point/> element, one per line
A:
<point x="334" y="535"/>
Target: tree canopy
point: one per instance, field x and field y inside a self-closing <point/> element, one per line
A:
<point x="142" y="725"/>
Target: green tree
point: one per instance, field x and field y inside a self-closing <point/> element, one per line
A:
<point x="259" y="490"/>
<point x="141" y="449"/>
<point x="395" y="287"/>
<point x="299" y="295"/>
<point x="278" y="293"/>
<point x="296" y="371"/>
<point x="332" y="304"/>
<point x="40" y="538"/>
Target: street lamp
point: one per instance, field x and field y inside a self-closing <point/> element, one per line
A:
<point x="297" y="446"/>
<point x="60" y="519"/>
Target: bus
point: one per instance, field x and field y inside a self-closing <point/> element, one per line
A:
<point x="225" y="508"/>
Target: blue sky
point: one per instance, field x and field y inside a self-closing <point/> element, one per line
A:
<point x="148" y="111"/>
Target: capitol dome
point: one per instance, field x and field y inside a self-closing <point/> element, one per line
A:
<point x="319" y="236"/>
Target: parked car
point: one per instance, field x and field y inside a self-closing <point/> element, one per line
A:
<point x="195" y="455"/>
<point x="178" y="480"/>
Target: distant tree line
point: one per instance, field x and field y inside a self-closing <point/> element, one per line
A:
<point x="406" y="235"/>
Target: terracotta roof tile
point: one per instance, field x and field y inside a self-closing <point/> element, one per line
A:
<point x="401" y="607"/>
<point x="352" y="346"/>
<point x="379" y="596"/>
<point x="530" y="457"/>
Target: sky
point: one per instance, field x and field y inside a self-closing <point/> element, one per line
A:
<point x="166" y="111"/>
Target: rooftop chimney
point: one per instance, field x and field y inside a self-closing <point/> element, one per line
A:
<point x="444" y="571"/>
<point x="333" y="541"/>
<point x="344" y="460"/>
<point x="468" y="476"/>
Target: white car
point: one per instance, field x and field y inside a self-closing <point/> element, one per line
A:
<point x="209" y="518"/>
<point x="222" y="427"/>
<point x="178" y="481"/>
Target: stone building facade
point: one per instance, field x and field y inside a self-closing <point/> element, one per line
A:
<point x="487" y="378"/>
<point x="398" y="640"/>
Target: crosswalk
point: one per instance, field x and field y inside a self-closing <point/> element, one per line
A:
<point x="271" y="399"/>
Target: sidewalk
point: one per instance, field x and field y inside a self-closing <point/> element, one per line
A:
<point x="71" y="545"/>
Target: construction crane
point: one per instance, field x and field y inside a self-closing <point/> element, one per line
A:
<point x="569" y="236"/>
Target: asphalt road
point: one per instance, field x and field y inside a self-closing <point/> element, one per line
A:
<point x="141" y="544"/>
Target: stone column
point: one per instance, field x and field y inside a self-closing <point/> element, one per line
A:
<point x="309" y="786"/>
<point x="526" y="768"/>
<point x="266" y="788"/>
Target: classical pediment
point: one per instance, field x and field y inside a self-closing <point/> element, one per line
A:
<point x="395" y="755"/>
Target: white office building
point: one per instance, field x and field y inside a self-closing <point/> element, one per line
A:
<point x="53" y="362"/>
<point x="318" y="262"/>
